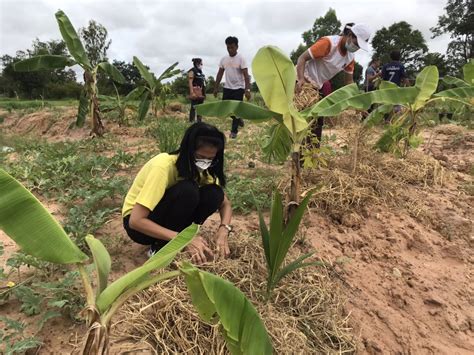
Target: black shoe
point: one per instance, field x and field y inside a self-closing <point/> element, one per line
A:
<point x="152" y="251"/>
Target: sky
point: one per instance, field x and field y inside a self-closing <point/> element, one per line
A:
<point x="161" y="32"/>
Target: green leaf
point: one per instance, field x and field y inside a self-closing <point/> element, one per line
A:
<point x="226" y="108"/>
<point x="398" y="96"/>
<point x="264" y="234"/>
<point x="340" y="95"/>
<point x="377" y="115"/>
<point x="289" y="233"/>
<point x="458" y="93"/>
<point x="160" y="260"/>
<point x="275" y="76"/>
<point x="144" y="106"/>
<point x="21" y="346"/>
<point x="296" y="264"/>
<point x="468" y="72"/>
<point x="112" y="72"/>
<point x="387" y="85"/>
<point x="82" y="109"/>
<point x="43" y="62"/>
<point x="169" y="72"/>
<point x="24" y="219"/>
<point x="276" y="229"/>
<point x="102" y="262"/>
<point x="242" y="327"/>
<point x="451" y="80"/>
<point x="426" y="83"/>
<point x="135" y="93"/>
<point x="144" y="72"/>
<point x="278" y="145"/>
<point x="30" y="302"/>
<point x="73" y="42"/>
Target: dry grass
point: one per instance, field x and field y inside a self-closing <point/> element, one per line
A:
<point x="307" y="97"/>
<point x="305" y="316"/>
<point x="350" y="188"/>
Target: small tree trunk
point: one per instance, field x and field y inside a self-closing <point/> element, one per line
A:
<point x="294" y="195"/>
<point x="91" y="88"/>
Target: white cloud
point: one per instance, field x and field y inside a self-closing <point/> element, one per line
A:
<point x="162" y="32"/>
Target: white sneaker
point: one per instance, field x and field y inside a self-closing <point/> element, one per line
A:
<point x="150" y="252"/>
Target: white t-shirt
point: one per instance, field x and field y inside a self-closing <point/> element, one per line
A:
<point x="234" y="79"/>
<point x="327" y="60"/>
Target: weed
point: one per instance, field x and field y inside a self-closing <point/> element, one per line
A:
<point x="168" y="132"/>
<point x="242" y="190"/>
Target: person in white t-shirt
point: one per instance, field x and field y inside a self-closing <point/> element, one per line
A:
<point x="237" y="82"/>
<point x="329" y="56"/>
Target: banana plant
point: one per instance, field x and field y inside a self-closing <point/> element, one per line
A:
<point x="24" y="219"/>
<point x="275" y="75"/>
<point x="116" y="103"/>
<point x="88" y="102"/>
<point x="468" y="76"/>
<point x="152" y="87"/>
<point x="402" y="133"/>
<point x="277" y="240"/>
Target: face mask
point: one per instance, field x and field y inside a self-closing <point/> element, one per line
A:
<point x="203" y="164"/>
<point x="200" y="66"/>
<point x="351" y="47"/>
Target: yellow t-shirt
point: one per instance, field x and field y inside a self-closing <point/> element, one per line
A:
<point x="153" y="179"/>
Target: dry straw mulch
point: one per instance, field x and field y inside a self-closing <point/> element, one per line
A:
<point x="305" y="315"/>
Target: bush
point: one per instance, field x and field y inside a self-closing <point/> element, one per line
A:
<point x="168" y="132"/>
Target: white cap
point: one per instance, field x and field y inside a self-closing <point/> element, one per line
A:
<point x="363" y="33"/>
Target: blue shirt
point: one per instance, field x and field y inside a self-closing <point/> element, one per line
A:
<point x="394" y="72"/>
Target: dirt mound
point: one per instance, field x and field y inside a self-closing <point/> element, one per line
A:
<point x="306" y="314"/>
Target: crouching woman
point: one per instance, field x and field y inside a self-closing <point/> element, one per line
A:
<point x="173" y="190"/>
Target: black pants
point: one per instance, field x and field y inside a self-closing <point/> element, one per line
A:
<point x="192" y="113"/>
<point x="234" y="94"/>
<point x="181" y="205"/>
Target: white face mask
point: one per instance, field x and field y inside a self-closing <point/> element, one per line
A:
<point x="203" y="164"/>
<point x="351" y="47"/>
<point x="199" y="66"/>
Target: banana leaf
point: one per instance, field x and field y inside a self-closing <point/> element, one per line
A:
<point x="112" y="72"/>
<point x="227" y="108"/>
<point x="43" y="62"/>
<point x="145" y="73"/>
<point x="218" y="300"/>
<point x="73" y="42"/>
<point x="426" y="82"/>
<point x="396" y="96"/>
<point x="377" y="115"/>
<point x="144" y="105"/>
<point x="169" y="72"/>
<point x="465" y="93"/>
<point x="160" y="260"/>
<point x="275" y="76"/>
<point x="102" y="262"/>
<point x="468" y="72"/>
<point x="278" y="144"/>
<point x="24" y="219"/>
<point x="451" y="80"/>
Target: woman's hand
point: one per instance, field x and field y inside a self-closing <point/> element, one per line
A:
<point x="198" y="249"/>
<point x="222" y="244"/>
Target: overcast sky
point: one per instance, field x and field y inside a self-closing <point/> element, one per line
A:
<point x="162" y="32"/>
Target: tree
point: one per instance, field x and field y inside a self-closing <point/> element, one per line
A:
<point x="326" y="25"/>
<point x="88" y="101"/>
<point x="179" y="86"/>
<point x="459" y="23"/>
<point x="438" y="60"/>
<point x="94" y="37"/>
<point x="400" y="36"/>
<point x="129" y="72"/>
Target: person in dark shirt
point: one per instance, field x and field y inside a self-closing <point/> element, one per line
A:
<point x="197" y="88"/>
<point x="395" y="70"/>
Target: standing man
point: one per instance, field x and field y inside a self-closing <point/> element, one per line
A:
<point x="371" y="73"/>
<point x="237" y="82"/>
<point x="395" y="70"/>
<point x="329" y="56"/>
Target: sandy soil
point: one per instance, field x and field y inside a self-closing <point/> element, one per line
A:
<point x="408" y="279"/>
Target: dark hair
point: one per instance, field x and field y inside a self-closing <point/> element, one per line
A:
<point x="198" y="135"/>
<point x="395" y="55"/>
<point x="347" y="28"/>
<point x="232" y="39"/>
<point x="196" y="61"/>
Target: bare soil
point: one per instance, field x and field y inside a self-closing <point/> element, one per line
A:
<point x="406" y="273"/>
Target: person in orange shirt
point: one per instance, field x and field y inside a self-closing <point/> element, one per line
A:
<point x="329" y="56"/>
